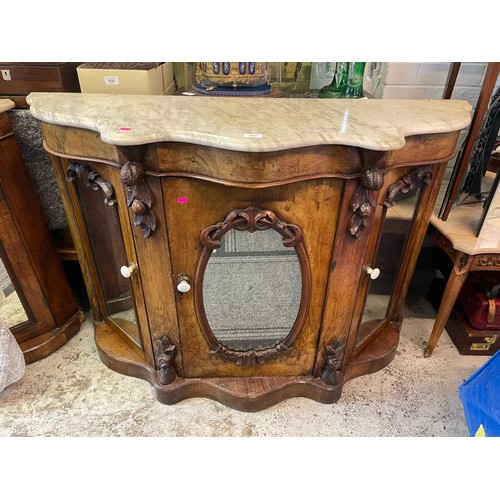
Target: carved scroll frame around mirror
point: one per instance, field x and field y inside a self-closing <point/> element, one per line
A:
<point x="251" y="219"/>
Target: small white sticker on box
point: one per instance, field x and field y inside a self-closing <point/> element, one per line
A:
<point x="258" y="136"/>
<point x="111" y="80"/>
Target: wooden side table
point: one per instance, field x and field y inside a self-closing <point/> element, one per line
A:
<point x="456" y="237"/>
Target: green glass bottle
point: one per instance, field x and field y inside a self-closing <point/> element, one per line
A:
<point x="354" y="86"/>
<point x="334" y="90"/>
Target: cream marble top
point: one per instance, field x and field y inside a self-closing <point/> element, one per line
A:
<point x="461" y="227"/>
<point x="462" y="224"/>
<point x="250" y="124"/>
<point x="6" y="104"/>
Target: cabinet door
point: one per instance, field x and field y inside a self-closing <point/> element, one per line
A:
<point x="257" y="262"/>
<point x="98" y="195"/>
<point x="398" y="205"/>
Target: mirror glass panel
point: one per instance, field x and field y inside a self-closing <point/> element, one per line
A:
<point x="388" y="257"/>
<point x="104" y="231"/>
<point x="252" y="290"/>
<point x="12" y="312"/>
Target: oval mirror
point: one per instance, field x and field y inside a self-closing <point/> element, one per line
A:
<point x="252" y="285"/>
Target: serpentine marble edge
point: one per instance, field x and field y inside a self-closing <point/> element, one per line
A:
<point x="6" y="104"/>
<point x="251" y="124"/>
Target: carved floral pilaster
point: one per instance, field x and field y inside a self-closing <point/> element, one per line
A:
<point x="333" y="364"/>
<point x="139" y="197"/>
<point x="363" y="202"/>
<point x="166" y="372"/>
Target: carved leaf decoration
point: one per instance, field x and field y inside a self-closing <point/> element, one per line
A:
<point x="139" y="192"/>
<point x="92" y="180"/>
<point x="409" y="182"/>
<point x="170" y="350"/>
<point x="370" y="198"/>
<point x="330" y="351"/>
<point x="359" y="198"/>
<point x="371" y="180"/>
<point x="139" y="197"/>
<point x="355" y="226"/>
<point x="166" y="372"/>
<point x="164" y="344"/>
<point x="147" y="222"/>
<point x="143" y="193"/>
<point x="333" y="363"/>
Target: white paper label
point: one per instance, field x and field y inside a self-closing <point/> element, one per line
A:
<point x="111" y="80"/>
<point x="253" y="135"/>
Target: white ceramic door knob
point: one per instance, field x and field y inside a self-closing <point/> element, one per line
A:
<point x="374" y="273"/>
<point x="127" y="271"/>
<point x="183" y="284"/>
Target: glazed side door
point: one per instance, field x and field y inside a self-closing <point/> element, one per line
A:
<point x="107" y="241"/>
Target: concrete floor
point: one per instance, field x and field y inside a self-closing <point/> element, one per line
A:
<point x="72" y="393"/>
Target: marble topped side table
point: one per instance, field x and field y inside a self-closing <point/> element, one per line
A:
<point x="457" y="238"/>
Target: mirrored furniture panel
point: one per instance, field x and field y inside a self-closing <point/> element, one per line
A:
<point x="232" y="247"/>
<point x="36" y="302"/>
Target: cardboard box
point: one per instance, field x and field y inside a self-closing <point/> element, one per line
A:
<point x="168" y="76"/>
<point x="156" y="81"/>
<point x="170" y="90"/>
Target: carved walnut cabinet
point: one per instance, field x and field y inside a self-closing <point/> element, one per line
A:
<point x="230" y="246"/>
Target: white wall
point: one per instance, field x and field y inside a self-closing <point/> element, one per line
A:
<point x="424" y="80"/>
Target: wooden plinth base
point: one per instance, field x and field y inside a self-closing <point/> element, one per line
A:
<point x="245" y="394"/>
<point x="43" y="345"/>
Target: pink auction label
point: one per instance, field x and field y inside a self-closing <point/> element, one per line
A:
<point x="125" y="128"/>
<point x="182" y="200"/>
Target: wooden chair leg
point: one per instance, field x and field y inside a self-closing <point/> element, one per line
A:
<point x="453" y="287"/>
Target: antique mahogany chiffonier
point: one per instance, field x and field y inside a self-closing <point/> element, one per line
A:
<point x="230" y="245"/>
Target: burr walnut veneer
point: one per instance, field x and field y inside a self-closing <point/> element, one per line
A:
<point x="228" y="243"/>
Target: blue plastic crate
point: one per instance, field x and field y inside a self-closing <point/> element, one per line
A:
<point x="480" y="396"/>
